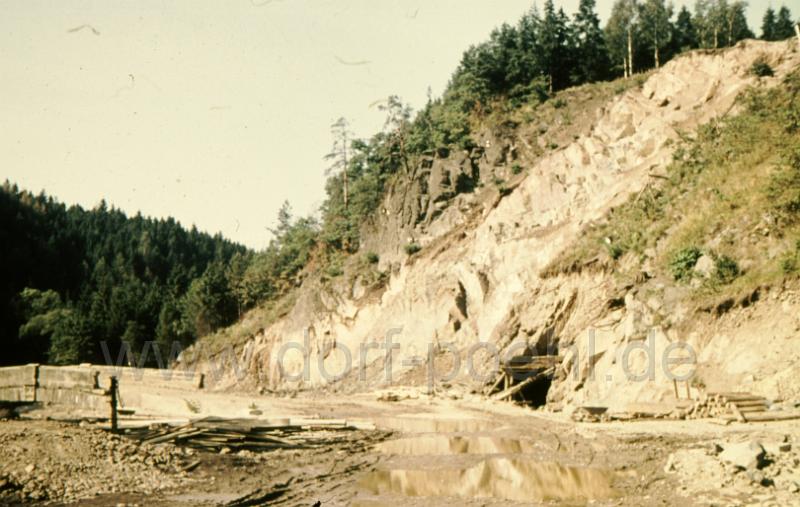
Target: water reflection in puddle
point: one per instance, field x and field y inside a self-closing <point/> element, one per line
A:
<point x="441" y="445"/>
<point x="509" y="479"/>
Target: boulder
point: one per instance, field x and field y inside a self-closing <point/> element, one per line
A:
<point x="704" y="266"/>
<point x="745" y="455"/>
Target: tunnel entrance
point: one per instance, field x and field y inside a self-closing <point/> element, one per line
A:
<point x="525" y="379"/>
<point x="534" y="393"/>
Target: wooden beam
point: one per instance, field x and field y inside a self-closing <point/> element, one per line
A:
<point x="516" y="388"/>
<point x="496" y="383"/>
<point x="113" y="402"/>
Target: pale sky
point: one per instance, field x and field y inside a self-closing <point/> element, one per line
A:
<point x="216" y="112"/>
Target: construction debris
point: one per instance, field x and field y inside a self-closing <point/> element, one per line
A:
<point x="721" y="407"/>
<point x="741" y="407"/>
<point x="217" y="434"/>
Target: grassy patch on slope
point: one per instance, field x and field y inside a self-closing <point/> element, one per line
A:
<point x="732" y="193"/>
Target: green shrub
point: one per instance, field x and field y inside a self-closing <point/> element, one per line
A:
<point x="516" y="169"/>
<point x="725" y="269"/>
<point x="334" y="270"/>
<point x="371" y="258"/>
<point x="761" y="68"/>
<point x="790" y="263"/>
<point x="615" y="251"/>
<point x="412" y="248"/>
<point x="559" y="103"/>
<point x="682" y="264"/>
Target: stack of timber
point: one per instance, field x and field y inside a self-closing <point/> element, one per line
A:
<point x="214" y="434"/>
<point x="736" y="406"/>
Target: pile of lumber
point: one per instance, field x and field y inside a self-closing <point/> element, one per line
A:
<point x="742" y="407"/>
<point x="215" y="434"/>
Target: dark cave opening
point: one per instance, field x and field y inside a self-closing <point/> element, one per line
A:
<point x="534" y="393"/>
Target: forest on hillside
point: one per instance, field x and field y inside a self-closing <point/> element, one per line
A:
<point x="73" y="279"/>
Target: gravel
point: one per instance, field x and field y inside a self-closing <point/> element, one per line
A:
<point x="49" y="461"/>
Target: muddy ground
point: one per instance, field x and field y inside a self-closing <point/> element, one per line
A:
<point x="424" y="451"/>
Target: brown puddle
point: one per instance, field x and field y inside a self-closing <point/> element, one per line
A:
<point x="430" y="425"/>
<point x="442" y="445"/>
<point x="510" y="479"/>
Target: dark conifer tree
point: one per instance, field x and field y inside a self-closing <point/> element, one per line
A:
<point x="768" y="25"/>
<point x="784" y="26"/>
<point x="591" y="55"/>
<point x="685" y="35"/>
<point x="554" y="47"/>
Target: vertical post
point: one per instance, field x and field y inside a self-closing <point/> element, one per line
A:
<point x="113" y="388"/>
<point x="797" y="31"/>
<point x="675" y="385"/>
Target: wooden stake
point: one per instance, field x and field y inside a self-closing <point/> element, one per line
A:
<point x="113" y="389"/>
<point x="675" y="385"/>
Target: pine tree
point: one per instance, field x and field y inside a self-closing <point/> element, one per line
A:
<point x="550" y="45"/>
<point x="342" y="137"/>
<point x="685" y="35"/>
<point x="784" y="26"/>
<point x="768" y="25"/>
<point x="654" y="17"/>
<point x="591" y="56"/>
<point x="528" y="65"/>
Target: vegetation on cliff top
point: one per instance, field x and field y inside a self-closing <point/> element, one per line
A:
<point x="732" y="194"/>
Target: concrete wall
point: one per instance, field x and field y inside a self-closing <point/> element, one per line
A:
<point x="68" y="377"/>
<point x="149" y="377"/>
<point x="18" y="383"/>
<point x="86" y="386"/>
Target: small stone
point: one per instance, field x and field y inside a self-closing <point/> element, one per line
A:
<point x="704" y="266"/>
<point x="30" y="468"/>
<point x="670" y="466"/>
<point x="757" y="477"/>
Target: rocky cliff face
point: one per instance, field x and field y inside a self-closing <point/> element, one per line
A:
<point x="489" y="221"/>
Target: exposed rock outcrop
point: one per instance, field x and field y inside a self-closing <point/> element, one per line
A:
<point x="477" y="278"/>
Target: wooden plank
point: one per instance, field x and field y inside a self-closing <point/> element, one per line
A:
<point x="496" y="384"/>
<point x="175" y="435"/>
<point x="769" y="416"/>
<point x="651" y="409"/>
<point x="512" y="390"/>
<point x="739" y="416"/>
<point x="518" y="387"/>
<point x="748" y="410"/>
<point x="744" y="404"/>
